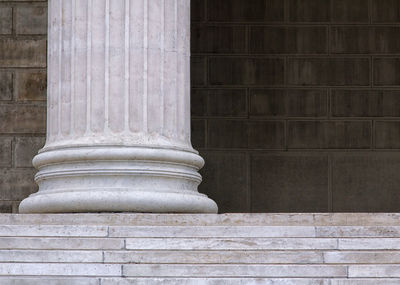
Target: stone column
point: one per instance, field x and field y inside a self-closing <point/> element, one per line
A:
<point x="118" y="131"/>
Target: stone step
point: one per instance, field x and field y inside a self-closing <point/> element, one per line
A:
<point x="297" y="219"/>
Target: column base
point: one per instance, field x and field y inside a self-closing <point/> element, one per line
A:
<point x="117" y="179"/>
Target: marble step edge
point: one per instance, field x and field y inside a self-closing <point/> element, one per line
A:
<point x="288" y="219"/>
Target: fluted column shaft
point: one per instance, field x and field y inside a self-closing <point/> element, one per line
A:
<point x="118" y="132"/>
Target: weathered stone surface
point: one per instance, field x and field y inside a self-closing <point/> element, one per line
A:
<point x="379" y="257"/>
<point x="353" y="231"/>
<point x="22" y="119"/>
<point x="31" y="85"/>
<point x="22" y="53"/>
<point x="374" y="271"/>
<point x="50" y="256"/>
<point x="5" y="151"/>
<point x="15" y="184"/>
<point x="213" y="281"/>
<point x="31" y="20"/>
<point x="5" y="20"/>
<point x="48" y="280"/>
<point x="6" y="86"/>
<point x="369" y="243"/>
<point x="25" y="149"/>
<point x="53" y="231"/>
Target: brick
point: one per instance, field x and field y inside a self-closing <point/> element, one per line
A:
<point x="224" y="171"/>
<point x="198" y="133"/>
<point x="6" y="86"/>
<point x="26" y="148"/>
<point x="365" y="39"/>
<point x="297" y="40"/>
<point x="16" y="184"/>
<point x="31" y="85"/>
<point x="22" y="119"/>
<point x="218" y="39"/>
<point x="31" y="20"/>
<point x="246" y="71"/>
<point x="387" y="134"/>
<point x="386" y="71"/>
<point x="230" y="243"/>
<point x="385" y="11"/>
<point x="228" y="102"/>
<point x="308" y="11"/>
<point x="22" y="53"/>
<point x="365" y="182"/>
<point x="249" y="134"/>
<point x="5" y="151"/>
<point x="245" y="11"/>
<point x="288" y="103"/>
<point x="197" y="10"/>
<point x="328" y="71"/>
<point x="355" y="11"/>
<point x="289" y="183"/>
<point x="5" y="20"/>
<point x="365" y="103"/>
<point x="197" y="71"/>
<point x="213" y="257"/>
<point x="329" y="134"/>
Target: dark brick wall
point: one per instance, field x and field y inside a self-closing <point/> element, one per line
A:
<point x="296" y="104"/>
<point x="23" y="29"/>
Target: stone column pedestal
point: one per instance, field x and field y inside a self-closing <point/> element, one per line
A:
<point x="118" y="131"/>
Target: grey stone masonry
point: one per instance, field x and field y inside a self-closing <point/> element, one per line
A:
<point x="98" y="249"/>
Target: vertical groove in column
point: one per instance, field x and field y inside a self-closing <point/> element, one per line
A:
<point x="49" y="69"/>
<point x="80" y="65"/>
<point x="107" y="66"/>
<point x="186" y="54"/>
<point x="162" y="47"/>
<point x="145" y="71"/>
<point x="181" y="72"/>
<point x="117" y="54"/>
<point x="127" y="66"/>
<point x="136" y="66"/>
<point x="99" y="74"/>
<point x="72" y="93"/>
<point x="60" y="34"/>
<point x="88" y="66"/>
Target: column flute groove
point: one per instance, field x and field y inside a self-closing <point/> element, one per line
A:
<point x="118" y="137"/>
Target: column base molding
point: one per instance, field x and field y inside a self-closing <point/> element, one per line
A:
<point x="118" y="179"/>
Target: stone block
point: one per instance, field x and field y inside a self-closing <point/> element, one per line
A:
<point x="345" y="11"/>
<point x="288" y="103"/>
<point x="198" y="133"/>
<point x="51" y="256"/>
<point x="197" y="71"/>
<point x="225" y="182"/>
<point x="365" y="103"/>
<point x="289" y="183"/>
<point x="16" y="184"/>
<point x="213" y="257"/>
<point x="53" y="231"/>
<point x="246" y="71"/>
<point x="365" y="182"/>
<point x="328" y="71"/>
<point x="48" y="280"/>
<point x="217" y="39"/>
<point x="378" y="257"/>
<point x="234" y="270"/>
<point x="5" y="20"/>
<point x="5" y="151"/>
<point x="22" y="119"/>
<point x="245" y="11"/>
<point x="6" y="206"/>
<point x="266" y="134"/>
<point x="369" y="244"/>
<point x="374" y="271"/>
<point x="215" y="231"/>
<point x="329" y="134"/>
<point x="374" y="281"/>
<point x="357" y="231"/>
<point x="31" y="20"/>
<point x="31" y="85"/>
<point x="385" y="11"/>
<point x="60" y="243"/>
<point x="387" y="134"/>
<point x="198" y="102"/>
<point x="230" y="243"/>
<point x="362" y="39"/>
<point x="308" y="11"/>
<point x="386" y="71"/>
<point x="57" y="269"/>
<point x="23" y="53"/>
<point x="227" y="103"/>
<point x="25" y="149"/>
<point x="197" y="10"/>
<point x="295" y="40"/>
<point x="6" y="86"/>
